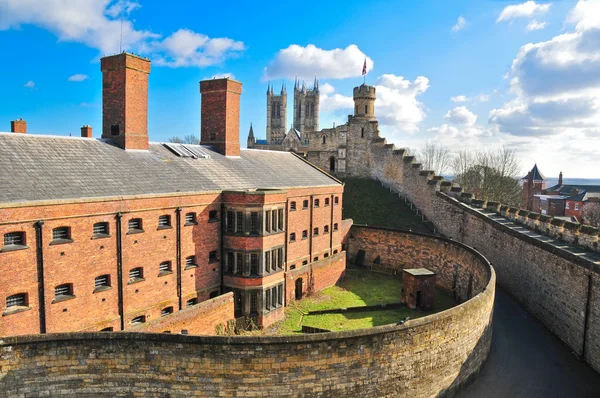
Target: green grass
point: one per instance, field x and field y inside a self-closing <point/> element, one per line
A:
<point x="367" y="202"/>
<point x="359" y="288"/>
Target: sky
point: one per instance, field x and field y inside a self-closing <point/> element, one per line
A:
<point x="464" y="74"/>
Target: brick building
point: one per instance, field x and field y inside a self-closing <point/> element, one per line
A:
<point x="103" y="234"/>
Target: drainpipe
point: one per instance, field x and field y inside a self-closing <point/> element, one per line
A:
<point x="40" y="272"/>
<point x="331" y="226"/>
<point x="178" y="255"/>
<point x="119" y="235"/>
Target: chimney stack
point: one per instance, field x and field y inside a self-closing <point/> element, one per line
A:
<point x="220" y="115"/>
<point x="86" y="131"/>
<point x="18" y="126"/>
<point x="125" y="100"/>
<point x="560" y="178"/>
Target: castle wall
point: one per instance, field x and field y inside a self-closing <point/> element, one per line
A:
<point x="552" y="284"/>
<point x="431" y="356"/>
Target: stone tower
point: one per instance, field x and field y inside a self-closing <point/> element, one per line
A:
<point x="364" y="101"/>
<point x="306" y="109"/>
<point x="276" y="118"/>
<point x="534" y="183"/>
<point x="125" y="100"/>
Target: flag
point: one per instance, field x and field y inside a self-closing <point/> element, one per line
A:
<point x="364" y="72"/>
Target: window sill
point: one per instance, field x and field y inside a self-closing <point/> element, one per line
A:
<point x="305" y="238"/>
<point x="292" y="209"/>
<point x="189" y="224"/>
<point x="60" y="299"/>
<point x="191" y="266"/>
<point x="102" y="289"/>
<point x="135" y="280"/>
<point x="15" y="310"/>
<point x="134" y="231"/>
<point x="60" y="241"/>
<point x="13" y="248"/>
<point x="293" y="241"/>
<point x="305" y="208"/>
<point x="163" y="273"/>
<point x="100" y="236"/>
<point x="160" y="227"/>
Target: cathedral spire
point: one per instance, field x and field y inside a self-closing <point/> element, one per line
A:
<point x="296" y="83"/>
<point x="316" y="84"/>
<point x="251" y="133"/>
<point x="283" y="88"/>
<point x="269" y="88"/>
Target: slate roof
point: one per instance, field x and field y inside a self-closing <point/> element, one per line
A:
<point x="536" y="174"/>
<point x="35" y="167"/>
<point x="567" y="189"/>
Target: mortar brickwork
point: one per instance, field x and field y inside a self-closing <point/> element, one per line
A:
<point x="431" y="356"/>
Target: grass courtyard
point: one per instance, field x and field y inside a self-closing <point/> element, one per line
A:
<point x="359" y="288"/>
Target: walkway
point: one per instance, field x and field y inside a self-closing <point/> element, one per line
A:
<point x="526" y="360"/>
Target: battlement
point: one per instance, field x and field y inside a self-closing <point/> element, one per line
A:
<point x="365" y="92"/>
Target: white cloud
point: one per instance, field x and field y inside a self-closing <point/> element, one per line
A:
<point x="535" y="25"/>
<point x="77" y="77"/>
<point x="326" y="88"/>
<point x="460" y="98"/>
<point x="448" y="131"/>
<point x="527" y="9"/>
<point x="29" y="84"/>
<point x="556" y="84"/>
<point x="482" y="98"/>
<point x="461" y="115"/>
<point x="98" y="23"/>
<point x="305" y="62"/>
<point x="460" y="24"/>
<point x="396" y="105"/>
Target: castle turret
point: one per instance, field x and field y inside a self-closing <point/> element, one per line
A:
<point x="364" y="101"/>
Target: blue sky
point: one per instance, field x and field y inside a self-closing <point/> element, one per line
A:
<point x="458" y="73"/>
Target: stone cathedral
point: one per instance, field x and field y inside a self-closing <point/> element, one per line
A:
<point x="341" y="150"/>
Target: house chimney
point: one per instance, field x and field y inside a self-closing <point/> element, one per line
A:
<point x="18" y="126"/>
<point x="220" y="115"/>
<point x="86" y="131"/>
<point x="560" y="178"/>
<point x="574" y="191"/>
<point x="125" y="100"/>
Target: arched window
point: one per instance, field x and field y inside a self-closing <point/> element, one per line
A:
<point x="324" y="140"/>
<point x="278" y="109"/>
<point x="366" y="108"/>
<point x="307" y="110"/>
<point x="356" y="112"/>
<point x="299" y="109"/>
<point x="362" y="132"/>
<point x="272" y="111"/>
<point x="312" y="110"/>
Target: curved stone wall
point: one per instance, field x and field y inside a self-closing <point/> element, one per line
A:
<point x="433" y="355"/>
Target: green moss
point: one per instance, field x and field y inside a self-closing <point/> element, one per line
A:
<point x="367" y="202"/>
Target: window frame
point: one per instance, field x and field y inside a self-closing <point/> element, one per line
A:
<point x="193" y="301"/>
<point x="138" y="278"/>
<point x="305" y="234"/>
<point x="193" y="219"/>
<point x="60" y="240"/>
<point x="140" y="224"/>
<point x="194" y="263"/>
<point x="213" y="216"/>
<point x="293" y="206"/>
<point x="292" y="237"/>
<point x="138" y="320"/>
<point x="316" y="203"/>
<point x="102" y="287"/>
<point x="305" y="204"/>
<point x="18" y="306"/>
<point x="335" y="227"/>
<point x="67" y="295"/>
<point x="100" y="235"/>
<point x="161" y="222"/>
<point x="168" y="268"/>
<point x="326" y="203"/>
<point x="213" y="256"/>
<point x="166" y="311"/>
<point x="15" y="246"/>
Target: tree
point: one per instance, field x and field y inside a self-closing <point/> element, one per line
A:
<point x="435" y="157"/>
<point x="591" y="213"/>
<point x="188" y="139"/>
<point x="489" y="175"/>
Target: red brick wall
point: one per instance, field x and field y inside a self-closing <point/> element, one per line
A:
<point x="125" y="99"/>
<point x="570" y="209"/>
<point x="18" y="126"/>
<point x="221" y="115"/>
<point x="207" y="318"/>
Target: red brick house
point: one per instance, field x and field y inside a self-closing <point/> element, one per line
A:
<point x="103" y="234"/>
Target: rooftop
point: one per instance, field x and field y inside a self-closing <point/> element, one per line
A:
<point x="41" y="167"/>
<point x="419" y="271"/>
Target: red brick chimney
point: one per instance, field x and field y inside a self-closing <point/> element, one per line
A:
<point x="86" y="131"/>
<point x="125" y="100"/>
<point x="220" y="116"/>
<point x="18" y="126"/>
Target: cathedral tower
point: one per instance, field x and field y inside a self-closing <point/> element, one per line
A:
<point x="276" y="120"/>
<point x="306" y="109"/>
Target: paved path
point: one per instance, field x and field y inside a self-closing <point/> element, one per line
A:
<point x="526" y="360"/>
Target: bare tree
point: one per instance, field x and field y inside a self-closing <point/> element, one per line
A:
<point x="435" y="157"/>
<point x="591" y="213"/>
<point x="489" y="175"/>
<point x="188" y="139"/>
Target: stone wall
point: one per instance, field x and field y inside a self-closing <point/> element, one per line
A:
<point x="557" y="287"/>
<point x="430" y="356"/>
<point x="209" y="317"/>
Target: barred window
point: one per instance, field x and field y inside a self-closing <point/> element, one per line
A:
<point x="293" y="237"/>
<point x="135" y="224"/>
<point x="61" y="233"/>
<point x="316" y="231"/>
<point x="136" y="274"/>
<point x="63" y="290"/>
<point x="326" y="201"/>
<point x="335" y="227"/>
<point x="316" y="202"/>
<point x="166" y="311"/>
<point x="164" y="221"/>
<point x="100" y="228"/>
<point x="254" y="222"/>
<point x="336" y="200"/>
<point x="14" y="239"/>
<point x="305" y="234"/>
<point x="229" y="221"/>
<point x="17" y="300"/>
<point x="326" y="229"/>
<point x="190" y="261"/>
<point x="138" y="320"/>
<point x="292" y="205"/>
<point x="305" y="204"/>
<point x="254" y="263"/>
<point x="239" y="222"/>
<point x="305" y="262"/>
<point x="192" y="301"/>
<point x="102" y="281"/>
<point x="190" y="218"/>
<point x="165" y="266"/>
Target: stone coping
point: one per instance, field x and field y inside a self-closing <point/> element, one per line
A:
<point x="274" y="340"/>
